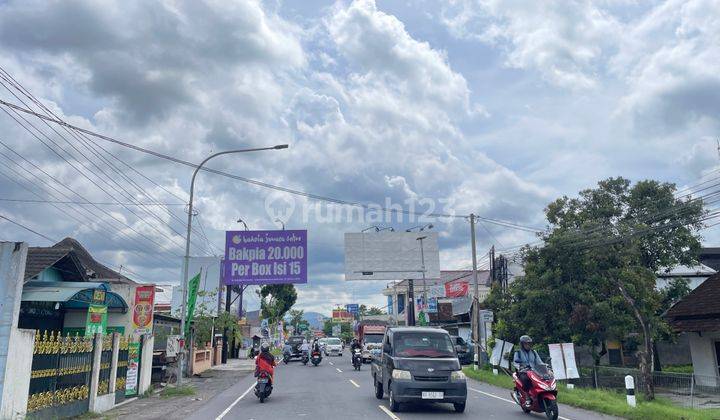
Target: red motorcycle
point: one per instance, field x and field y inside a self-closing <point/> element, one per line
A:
<point x="543" y="391"/>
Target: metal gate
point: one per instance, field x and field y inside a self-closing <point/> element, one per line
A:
<point x="60" y="377"/>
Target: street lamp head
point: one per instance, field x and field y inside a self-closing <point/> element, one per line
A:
<point x="420" y="238"/>
<point x="281" y="146"/>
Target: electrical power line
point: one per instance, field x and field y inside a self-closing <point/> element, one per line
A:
<point x="313" y="196"/>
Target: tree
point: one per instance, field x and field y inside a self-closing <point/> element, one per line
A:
<point x="594" y="276"/>
<point x="374" y="310"/>
<point x="296" y="318"/>
<point x="276" y="300"/>
<point x="346" y="331"/>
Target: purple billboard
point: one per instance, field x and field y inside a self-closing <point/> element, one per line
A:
<point x="265" y="257"/>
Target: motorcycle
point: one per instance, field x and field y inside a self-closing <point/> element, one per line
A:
<point x="286" y="357"/>
<point x="316" y="357"/>
<point x="543" y="391"/>
<point x="305" y="358"/>
<point x="357" y="359"/>
<point x="263" y="387"/>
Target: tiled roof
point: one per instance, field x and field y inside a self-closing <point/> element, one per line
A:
<point x="100" y="271"/>
<point x="699" y="310"/>
<point x="40" y="258"/>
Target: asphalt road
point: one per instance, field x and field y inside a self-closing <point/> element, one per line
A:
<point x="333" y="390"/>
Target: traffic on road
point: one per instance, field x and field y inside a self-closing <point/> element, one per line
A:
<point x="417" y="376"/>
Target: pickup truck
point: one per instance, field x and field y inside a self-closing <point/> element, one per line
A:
<point x="419" y="364"/>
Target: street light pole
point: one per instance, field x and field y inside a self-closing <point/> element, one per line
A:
<point x="186" y="260"/>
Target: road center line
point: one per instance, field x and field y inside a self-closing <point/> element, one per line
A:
<point x="388" y="412"/>
<point x="504" y="399"/>
<point x="338" y="370"/>
<point x="331" y="364"/>
<point x="354" y="383"/>
<point x="227" y="410"/>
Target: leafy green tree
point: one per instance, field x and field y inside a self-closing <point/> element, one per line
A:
<point x="296" y="318"/>
<point x="374" y="310"/>
<point x="276" y="300"/>
<point x="594" y="276"/>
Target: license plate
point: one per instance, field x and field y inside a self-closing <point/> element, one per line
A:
<point x="433" y="395"/>
<point x="264" y="381"/>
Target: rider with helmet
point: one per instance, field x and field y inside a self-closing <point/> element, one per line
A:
<point x="526" y="358"/>
<point x="355" y="345"/>
<point x="265" y="361"/>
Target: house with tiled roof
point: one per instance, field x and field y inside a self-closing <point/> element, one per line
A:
<point x="697" y="316"/>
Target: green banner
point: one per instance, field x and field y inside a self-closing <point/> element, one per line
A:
<point x="96" y="322"/>
<point x="193" y="286"/>
<point x="131" y="377"/>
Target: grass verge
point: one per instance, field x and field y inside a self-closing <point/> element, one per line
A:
<point x="177" y="391"/>
<point x="607" y="401"/>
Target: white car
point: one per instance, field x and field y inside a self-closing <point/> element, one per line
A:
<point x="333" y="347"/>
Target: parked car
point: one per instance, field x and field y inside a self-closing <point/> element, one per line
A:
<point x="419" y="364"/>
<point x="464" y="349"/>
<point x="333" y="347"/>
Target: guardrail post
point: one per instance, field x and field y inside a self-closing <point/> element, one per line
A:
<point x="630" y="387"/>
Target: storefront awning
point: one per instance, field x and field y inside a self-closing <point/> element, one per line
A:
<point x="73" y="295"/>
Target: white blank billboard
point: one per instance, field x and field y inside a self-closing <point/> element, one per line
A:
<point x="391" y="256"/>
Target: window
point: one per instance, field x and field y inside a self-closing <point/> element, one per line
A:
<point x="423" y="344"/>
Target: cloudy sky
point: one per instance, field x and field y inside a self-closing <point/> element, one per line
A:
<point x="491" y="107"/>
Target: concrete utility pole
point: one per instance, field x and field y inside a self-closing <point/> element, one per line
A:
<point x="476" y="301"/>
<point x="186" y="261"/>
<point x="422" y="262"/>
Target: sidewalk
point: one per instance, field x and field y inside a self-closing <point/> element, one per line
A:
<point x="207" y="385"/>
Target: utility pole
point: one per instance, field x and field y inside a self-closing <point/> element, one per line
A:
<point x="411" y="303"/>
<point x="422" y="262"/>
<point x="475" y="304"/>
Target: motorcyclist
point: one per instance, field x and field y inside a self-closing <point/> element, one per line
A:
<point x="304" y="347"/>
<point x="265" y="361"/>
<point x="316" y="346"/>
<point x="526" y="358"/>
<point x="355" y="345"/>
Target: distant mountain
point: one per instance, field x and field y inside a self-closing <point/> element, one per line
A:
<point x="315" y="319"/>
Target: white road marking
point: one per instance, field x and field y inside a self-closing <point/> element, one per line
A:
<point x="227" y="410"/>
<point x="354" y="383"/>
<point x="388" y="412"/>
<point x="338" y="370"/>
<point x="504" y="399"/>
<point x="331" y="364"/>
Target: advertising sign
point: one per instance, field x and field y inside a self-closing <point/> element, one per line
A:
<point x="265" y="257"/>
<point x="501" y="353"/>
<point x="143" y="311"/>
<point x="457" y="288"/>
<point x="336" y="330"/>
<point x="132" y="368"/>
<point x="391" y="255"/>
<point x="193" y="285"/>
<point x="562" y="359"/>
<point x="172" y="346"/>
<point x="432" y="305"/>
<point x="96" y="322"/>
<point x="342" y="316"/>
<point x="353" y="308"/>
<point x="436" y="291"/>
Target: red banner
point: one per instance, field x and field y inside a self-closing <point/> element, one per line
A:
<point x="143" y="310"/>
<point x="457" y="288"/>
